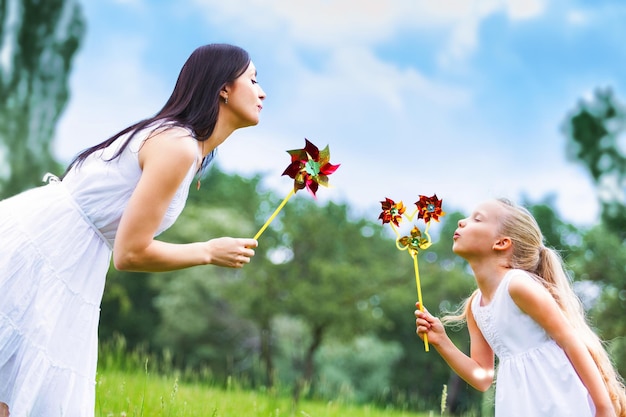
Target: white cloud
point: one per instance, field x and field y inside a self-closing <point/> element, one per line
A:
<point x="338" y="23"/>
<point x="524" y="9"/>
<point x="462" y="43"/>
<point x="398" y="131"/>
<point x="135" y="4"/>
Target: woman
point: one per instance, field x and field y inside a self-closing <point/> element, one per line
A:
<point x="57" y="240"/>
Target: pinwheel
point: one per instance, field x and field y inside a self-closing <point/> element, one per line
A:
<point x="427" y="209"/>
<point x="309" y="168"/>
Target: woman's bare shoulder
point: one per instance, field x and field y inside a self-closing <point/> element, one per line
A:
<point x="170" y="143"/>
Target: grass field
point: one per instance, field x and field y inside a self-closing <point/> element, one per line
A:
<point x="134" y="394"/>
<point x="138" y="384"/>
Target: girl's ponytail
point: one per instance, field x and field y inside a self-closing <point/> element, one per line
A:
<point x="549" y="270"/>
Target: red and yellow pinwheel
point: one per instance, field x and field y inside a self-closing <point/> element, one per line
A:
<point x="427" y="209"/>
<point x="392" y="212"/>
<point x="309" y="169"/>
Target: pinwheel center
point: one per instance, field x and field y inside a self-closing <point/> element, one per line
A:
<point x="312" y="168"/>
<point x="430" y="207"/>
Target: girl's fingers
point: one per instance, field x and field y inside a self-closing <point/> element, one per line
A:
<point x="423" y="323"/>
<point x="417" y="305"/>
<point x="422" y="314"/>
<point x="421" y="329"/>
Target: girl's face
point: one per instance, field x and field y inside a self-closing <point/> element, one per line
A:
<point x="245" y="97"/>
<point x="477" y="234"/>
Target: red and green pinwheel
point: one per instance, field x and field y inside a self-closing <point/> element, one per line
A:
<point x="427" y="209"/>
<point x="309" y="168"/>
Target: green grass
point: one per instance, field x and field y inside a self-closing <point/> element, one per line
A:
<point x="138" y="384"/>
<point x="139" y="394"/>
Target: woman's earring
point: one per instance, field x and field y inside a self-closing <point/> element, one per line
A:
<point x="225" y="100"/>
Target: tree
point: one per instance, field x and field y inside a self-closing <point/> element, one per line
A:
<point x="595" y="131"/>
<point x="558" y="234"/>
<point x="39" y="38"/>
<point x="335" y="268"/>
<point x="601" y="260"/>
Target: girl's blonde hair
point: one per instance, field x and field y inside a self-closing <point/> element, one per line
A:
<point x="546" y="265"/>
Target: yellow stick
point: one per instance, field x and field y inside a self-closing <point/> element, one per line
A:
<point x="419" y="294"/>
<point x="267" y="223"/>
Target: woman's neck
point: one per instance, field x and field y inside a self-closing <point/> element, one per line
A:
<point x="219" y="135"/>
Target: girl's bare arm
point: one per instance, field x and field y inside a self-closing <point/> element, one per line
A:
<point x="535" y="300"/>
<point x="477" y="369"/>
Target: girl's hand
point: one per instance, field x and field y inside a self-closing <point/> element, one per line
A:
<point x="427" y="324"/>
<point x="231" y="252"/>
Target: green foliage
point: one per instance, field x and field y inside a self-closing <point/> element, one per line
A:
<point x="564" y="237"/>
<point x="595" y="139"/>
<point x="338" y="264"/>
<point x="337" y="268"/>
<point x="601" y="264"/>
<point x="127" y="308"/>
<point x="37" y="48"/>
<point x="358" y="371"/>
<point x="595" y="132"/>
<point x="201" y="328"/>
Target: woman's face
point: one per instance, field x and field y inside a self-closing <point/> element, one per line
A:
<point x="245" y="97"/>
<point x="477" y="234"/>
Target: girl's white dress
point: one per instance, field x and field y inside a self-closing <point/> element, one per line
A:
<point x="55" y="251"/>
<point x="534" y="378"/>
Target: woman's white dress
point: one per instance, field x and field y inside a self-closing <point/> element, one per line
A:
<point x="534" y="377"/>
<point x="55" y="251"/>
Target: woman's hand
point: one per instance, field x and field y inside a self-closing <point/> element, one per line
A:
<point x="427" y="324"/>
<point x="231" y="252"/>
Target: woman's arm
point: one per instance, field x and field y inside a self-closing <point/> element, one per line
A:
<point x="535" y="300"/>
<point x="165" y="160"/>
<point x="476" y="370"/>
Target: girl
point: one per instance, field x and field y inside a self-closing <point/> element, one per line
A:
<point x="524" y="311"/>
<point x="57" y="240"/>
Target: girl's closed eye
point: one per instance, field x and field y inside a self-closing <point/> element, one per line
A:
<point x="254" y="81"/>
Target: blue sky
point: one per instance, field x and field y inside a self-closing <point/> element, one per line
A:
<point x="461" y="98"/>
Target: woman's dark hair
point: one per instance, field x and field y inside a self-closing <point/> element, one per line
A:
<point x="194" y="103"/>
